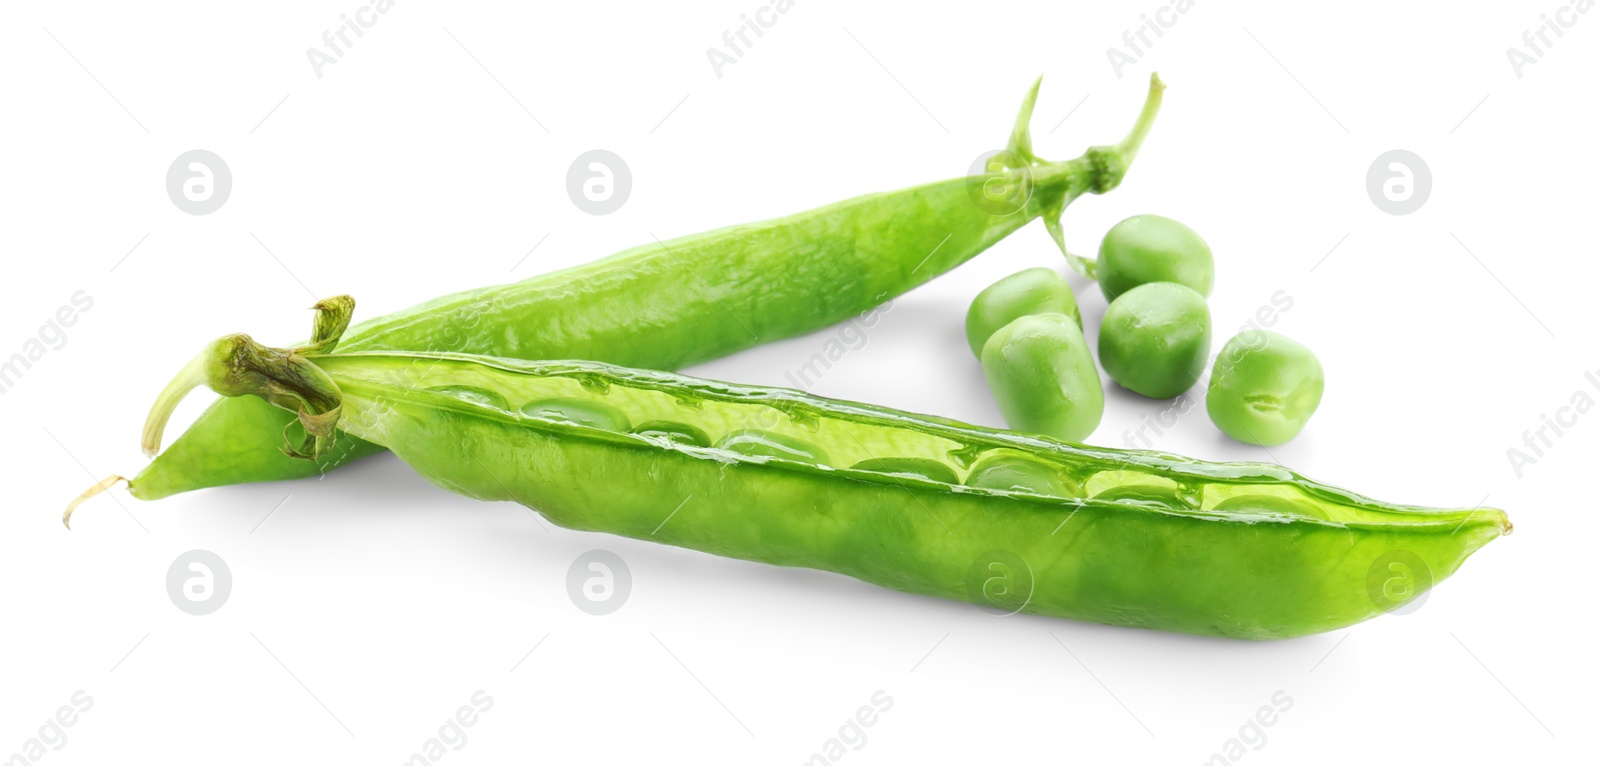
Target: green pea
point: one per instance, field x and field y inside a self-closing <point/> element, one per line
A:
<point x="1264" y="388"/>
<point x="1043" y="378"/>
<point x="579" y="412"/>
<point x="1147" y="495"/>
<point x="920" y="467"/>
<point x="759" y="443"/>
<point x="1019" y="473"/>
<point x="1030" y="291"/>
<point x="1270" y="504"/>
<point x="681" y="433"/>
<point x="1151" y="248"/>
<point x="1155" y="338"/>
<point x="479" y="396"/>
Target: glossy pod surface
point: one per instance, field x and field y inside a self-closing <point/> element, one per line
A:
<point x="1127" y="538"/>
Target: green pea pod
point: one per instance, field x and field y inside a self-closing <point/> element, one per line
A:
<point x="667" y="305"/>
<point x="1005" y="520"/>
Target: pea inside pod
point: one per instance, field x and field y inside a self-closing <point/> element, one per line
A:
<point x="1030" y="291"/>
<point x="1016" y="472"/>
<point x="1043" y="378"/>
<point x="921" y="468"/>
<point x="679" y="433"/>
<point x="578" y="412"/>
<point x="475" y="394"/>
<point x="758" y="443"/>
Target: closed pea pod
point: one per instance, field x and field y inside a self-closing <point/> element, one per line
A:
<point x="1154" y="339"/>
<point x="1123" y="537"/>
<point x="1043" y="377"/>
<point x="669" y="304"/>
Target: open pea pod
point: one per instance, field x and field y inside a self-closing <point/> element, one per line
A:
<point x="1011" y="522"/>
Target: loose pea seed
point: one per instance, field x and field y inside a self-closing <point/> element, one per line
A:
<point x="919" y="467"/>
<point x="759" y="443"/>
<point x="1030" y="291"/>
<point x="681" y="433"/>
<point x="1043" y="378"/>
<point x="578" y="412"/>
<point x="1155" y="338"/>
<point x="1264" y="388"/>
<point x="1152" y="248"/>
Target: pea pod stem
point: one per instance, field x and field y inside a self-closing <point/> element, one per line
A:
<point x="1147" y="117"/>
<point x="192" y="376"/>
<point x="236" y="360"/>
<point x="1085" y="266"/>
<point x="1111" y="163"/>
<point x="237" y="364"/>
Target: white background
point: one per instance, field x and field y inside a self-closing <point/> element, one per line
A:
<point x="367" y="607"/>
